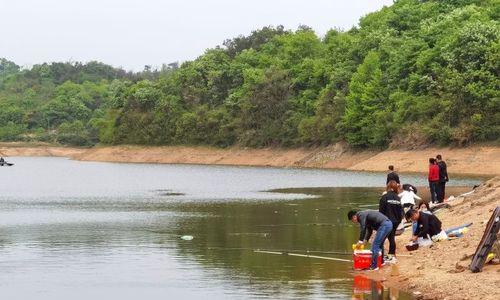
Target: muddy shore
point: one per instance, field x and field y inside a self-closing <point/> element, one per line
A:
<point x="441" y="271"/>
<point x="476" y="160"/>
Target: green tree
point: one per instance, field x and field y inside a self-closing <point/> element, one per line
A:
<point x="263" y="110"/>
<point x="367" y="117"/>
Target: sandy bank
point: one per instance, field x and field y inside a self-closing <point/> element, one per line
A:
<point x="441" y="272"/>
<point x="477" y="160"/>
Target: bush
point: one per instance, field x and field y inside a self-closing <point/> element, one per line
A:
<point x="12" y="132"/>
<point x="74" y="134"/>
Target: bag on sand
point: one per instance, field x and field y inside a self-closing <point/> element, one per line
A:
<point x="424" y="242"/>
<point x="442" y="236"/>
<point x="411" y="246"/>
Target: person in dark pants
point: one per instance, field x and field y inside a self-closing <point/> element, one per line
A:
<point x="433" y="178"/>
<point x="370" y="220"/>
<point x="443" y="178"/>
<point x="392" y="175"/>
<point x="390" y="206"/>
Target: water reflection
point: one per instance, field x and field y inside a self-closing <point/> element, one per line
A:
<point x="95" y="230"/>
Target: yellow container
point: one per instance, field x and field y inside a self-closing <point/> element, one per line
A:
<point x="361" y="247"/>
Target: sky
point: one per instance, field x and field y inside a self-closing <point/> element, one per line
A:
<point x="135" y="33"/>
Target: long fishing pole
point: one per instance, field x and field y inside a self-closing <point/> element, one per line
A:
<point x="279" y="250"/>
<point x="302" y="255"/>
<point x="303" y="224"/>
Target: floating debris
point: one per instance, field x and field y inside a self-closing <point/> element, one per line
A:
<point x="168" y="192"/>
<point x="172" y="194"/>
<point x="187" y="237"/>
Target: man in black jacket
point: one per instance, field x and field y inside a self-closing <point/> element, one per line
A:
<point x="443" y="178"/>
<point x="370" y="220"/>
<point x="428" y="225"/>
<point x="392" y="175"/>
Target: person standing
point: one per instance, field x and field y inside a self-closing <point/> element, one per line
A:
<point x="392" y="175"/>
<point x="370" y="220"/>
<point x="443" y="178"/>
<point x="433" y="178"/>
<point x="390" y="206"/>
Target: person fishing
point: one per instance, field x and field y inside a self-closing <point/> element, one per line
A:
<point x="370" y="220"/>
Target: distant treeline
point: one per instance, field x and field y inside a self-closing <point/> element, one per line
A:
<point x="414" y="72"/>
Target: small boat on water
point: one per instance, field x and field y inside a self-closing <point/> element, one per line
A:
<point x="3" y="163"/>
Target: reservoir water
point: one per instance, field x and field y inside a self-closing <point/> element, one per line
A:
<point x="87" y="230"/>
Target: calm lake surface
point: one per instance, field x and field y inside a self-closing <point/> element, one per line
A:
<point x="86" y="230"/>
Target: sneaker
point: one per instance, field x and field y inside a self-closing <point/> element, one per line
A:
<point x="392" y="260"/>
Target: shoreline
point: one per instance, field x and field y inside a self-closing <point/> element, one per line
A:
<point x="483" y="161"/>
<point x="441" y="271"/>
<point x="438" y="272"/>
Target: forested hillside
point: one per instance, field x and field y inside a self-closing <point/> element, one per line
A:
<point x="415" y="72"/>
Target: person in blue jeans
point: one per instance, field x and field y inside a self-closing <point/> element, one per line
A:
<point x="370" y="220"/>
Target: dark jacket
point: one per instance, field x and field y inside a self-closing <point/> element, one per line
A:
<point x="443" y="172"/>
<point x="428" y="224"/>
<point x="392" y="176"/>
<point x="390" y="206"/>
<point x="369" y="220"/>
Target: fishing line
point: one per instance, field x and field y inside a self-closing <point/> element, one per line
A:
<point x="302" y="255"/>
<point x="303" y="224"/>
<point x="280" y="250"/>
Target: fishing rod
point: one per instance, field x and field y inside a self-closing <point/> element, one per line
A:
<point x="279" y="250"/>
<point x="313" y="256"/>
<point x="303" y="224"/>
<point x="302" y="255"/>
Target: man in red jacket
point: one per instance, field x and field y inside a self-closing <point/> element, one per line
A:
<point x="433" y="178"/>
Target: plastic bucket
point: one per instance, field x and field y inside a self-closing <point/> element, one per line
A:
<point x="363" y="258"/>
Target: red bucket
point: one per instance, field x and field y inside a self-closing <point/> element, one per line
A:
<point x="363" y="258"/>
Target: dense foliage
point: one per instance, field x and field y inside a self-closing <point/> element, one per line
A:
<point x="418" y="71"/>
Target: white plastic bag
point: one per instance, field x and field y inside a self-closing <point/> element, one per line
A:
<point x="442" y="236"/>
<point x="424" y="242"/>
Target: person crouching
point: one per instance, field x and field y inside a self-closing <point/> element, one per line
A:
<point x="428" y="227"/>
<point x="370" y="220"/>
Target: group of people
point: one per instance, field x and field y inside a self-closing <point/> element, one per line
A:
<point x="438" y="177"/>
<point x="398" y="203"/>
